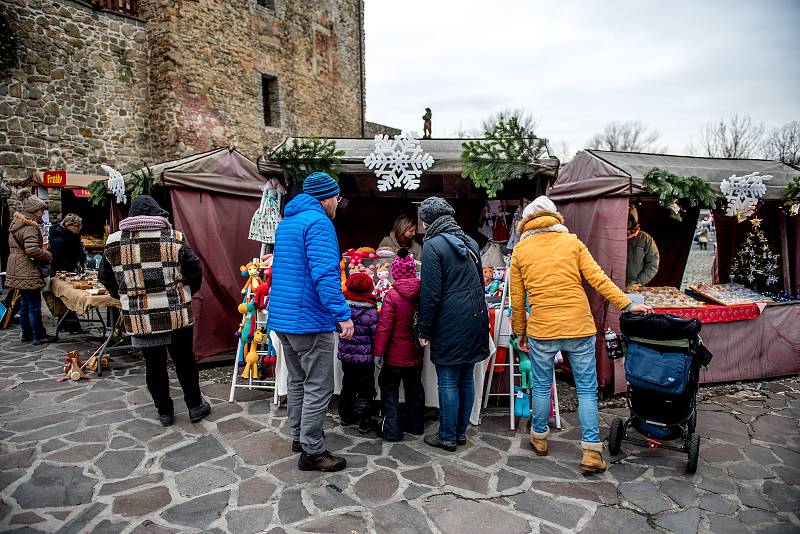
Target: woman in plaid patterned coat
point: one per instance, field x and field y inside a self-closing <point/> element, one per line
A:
<point x="151" y="269"/>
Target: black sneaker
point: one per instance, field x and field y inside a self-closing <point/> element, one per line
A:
<point x="26" y="339"/>
<point x="461" y="440"/>
<point x="435" y="441"/>
<point x="166" y="419"/>
<point x="43" y="341"/>
<point x="320" y="462"/>
<point x="198" y="412"/>
<point x="296" y="447"/>
<point x="365" y="426"/>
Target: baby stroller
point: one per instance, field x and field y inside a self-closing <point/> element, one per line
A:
<point x="664" y="354"/>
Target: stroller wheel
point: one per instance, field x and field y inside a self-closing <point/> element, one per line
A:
<point x="694" y="454"/>
<point x="615" y="436"/>
<point x="692" y="424"/>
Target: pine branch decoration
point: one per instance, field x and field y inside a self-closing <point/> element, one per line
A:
<point x="307" y="155"/>
<point x="672" y="190"/>
<point x="509" y="152"/>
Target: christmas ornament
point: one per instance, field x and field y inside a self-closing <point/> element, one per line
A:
<point x="756" y="265"/>
<point x="743" y="193"/>
<point x="115" y="184"/>
<point x="756" y="222"/>
<point x="398" y="162"/>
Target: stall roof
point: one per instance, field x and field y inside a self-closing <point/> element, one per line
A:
<point x="222" y="170"/>
<point x="75" y="180"/>
<point x="446" y="155"/>
<point x="595" y="173"/>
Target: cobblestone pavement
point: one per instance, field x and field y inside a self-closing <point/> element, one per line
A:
<point x="89" y="457"/>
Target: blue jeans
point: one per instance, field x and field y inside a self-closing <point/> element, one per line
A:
<point x="30" y="314"/>
<point x="456" y="394"/>
<point x="580" y="352"/>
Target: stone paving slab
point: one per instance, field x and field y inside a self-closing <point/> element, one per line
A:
<point x="91" y="457"/>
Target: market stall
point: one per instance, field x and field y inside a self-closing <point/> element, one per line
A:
<point x="594" y="191"/>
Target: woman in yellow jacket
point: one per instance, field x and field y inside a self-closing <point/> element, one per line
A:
<point x="547" y="268"/>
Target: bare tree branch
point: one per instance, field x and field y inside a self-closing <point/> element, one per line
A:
<point x="628" y="136"/>
<point x="524" y="118"/>
<point x="734" y="137"/>
<point x="783" y="144"/>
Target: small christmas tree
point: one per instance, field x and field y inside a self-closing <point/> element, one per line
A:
<point x="755" y="265"/>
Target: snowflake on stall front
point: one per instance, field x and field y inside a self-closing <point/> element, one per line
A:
<point x="115" y="184"/>
<point x="755" y="265"/>
<point x="743" y="193"/>
<point x="398" y="162"/>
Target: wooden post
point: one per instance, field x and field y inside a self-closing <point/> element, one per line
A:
<point x="787" y="278"/>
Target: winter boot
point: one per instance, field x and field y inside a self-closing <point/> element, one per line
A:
<point x="592" y="461"/>
<point x="539" y="442"/>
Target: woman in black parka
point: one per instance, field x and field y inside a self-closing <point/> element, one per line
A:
<point x="452" y="317"/>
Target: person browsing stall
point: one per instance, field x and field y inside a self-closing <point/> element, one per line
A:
<point x="306" y="307"/>
<point x="548" y="267"/>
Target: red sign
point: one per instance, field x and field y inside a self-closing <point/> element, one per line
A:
<point x="54" y="178"/>
<point x="81" y="192"/>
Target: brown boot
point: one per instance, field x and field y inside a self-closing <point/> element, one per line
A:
<point x="320" y="462"/>
<point x="592" y="461"/>
<point x="539" y="442"/>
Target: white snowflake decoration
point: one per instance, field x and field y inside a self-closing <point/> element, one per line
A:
<point x="398" y="162"/>
<point x="772" y="280"/>
<point x="743" y="193"/>
<point x="115" y="184"/>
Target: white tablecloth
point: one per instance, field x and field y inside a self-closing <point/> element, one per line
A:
<point x="429" y="380"/>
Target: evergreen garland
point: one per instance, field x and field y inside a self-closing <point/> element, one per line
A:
<point x="307" y="155"/>
<point x="672" y="189"/>
<point x="791" y="199"/>
<point x="9" y="44"/>
<point x="508" y="152"/>
<point x="755" y="265"/>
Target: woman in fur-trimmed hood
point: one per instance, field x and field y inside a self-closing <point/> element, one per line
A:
<point x="548" y="267"/>
<point x="26" y="250"/>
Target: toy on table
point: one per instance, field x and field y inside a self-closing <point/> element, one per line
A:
<point x="251" y="355"/>
<point x="383" y="285"/>
<point x="496" y="287"/>
<point x="487" y="278"/>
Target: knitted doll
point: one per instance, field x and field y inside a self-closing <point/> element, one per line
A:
<point x="251" y="270"/>
<point x="251" y="356"/>
<point x="496" y="287"/>
<point x="487" y="278"/>
<point x="384" y="285"/>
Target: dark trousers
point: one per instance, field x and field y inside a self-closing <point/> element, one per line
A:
<point x="30" y="314"/>
<point x="389" y="381"/>
<point x="358" y="392"/>
<point x="182" y="354"/>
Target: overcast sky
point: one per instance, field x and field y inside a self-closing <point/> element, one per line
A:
<point x="577" y="65"/>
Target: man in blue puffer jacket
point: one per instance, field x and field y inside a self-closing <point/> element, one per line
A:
<point x="306" y="305"/>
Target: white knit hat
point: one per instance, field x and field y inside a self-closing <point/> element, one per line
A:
<point x="539" y="205"/>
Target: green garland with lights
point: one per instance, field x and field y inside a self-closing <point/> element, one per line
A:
<point x="672" y="190"/>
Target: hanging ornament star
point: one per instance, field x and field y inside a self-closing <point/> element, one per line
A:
<point x="756" y="222"/>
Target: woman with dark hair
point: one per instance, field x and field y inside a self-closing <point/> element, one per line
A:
<point x="402" y="236"/>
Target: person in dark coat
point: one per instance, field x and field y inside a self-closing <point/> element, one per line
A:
<point x="397" y="353"/>
<point x="68" y="256"/>
<point x="66" y="246"/>
<point x="452" y="317"/>
<point x="358" y="361"/>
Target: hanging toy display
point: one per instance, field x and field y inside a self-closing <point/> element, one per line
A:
<point x="266" y="218"/>
<point x="497" y="284"/>
<point x="251" y="355"/>
<point x="250" y="270"/>
<point x="487" y="278"/>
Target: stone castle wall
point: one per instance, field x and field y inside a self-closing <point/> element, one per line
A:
<point x="183" y="77"/>
<point x="78" y="96"/>
<point x="207" y="62"/>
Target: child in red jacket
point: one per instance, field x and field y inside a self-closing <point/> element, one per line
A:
<point x="401" y="357"/>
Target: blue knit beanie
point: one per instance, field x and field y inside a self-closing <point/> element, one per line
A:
<point x="320" y="186"/>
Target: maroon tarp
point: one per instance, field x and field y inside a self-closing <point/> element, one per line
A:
<point x="602" y="225"/>
<point x="216" y="227"/>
